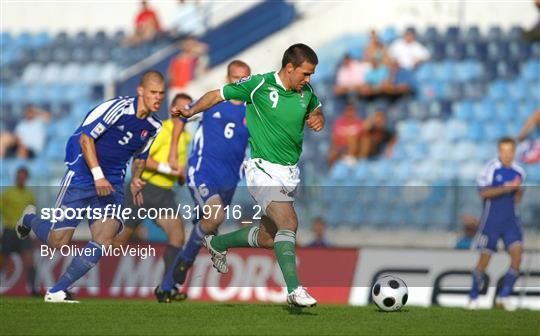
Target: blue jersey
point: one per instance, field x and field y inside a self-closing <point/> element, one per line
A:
<point x="118" y="136"/>
<point x="219" y="144"/>
<point x="502" y="208"/>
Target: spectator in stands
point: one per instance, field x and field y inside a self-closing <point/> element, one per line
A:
<point x="29" y="137"/>
<point x="191" y="61"/>
<point x="12" y="202"/>
<point x="346" y="131"/>
<point x="408" y="52"/>
<point x="375" y="49"/>
<point x="375" y="78"/>
<point x="318" y="228"/>
<point x="529" y="149"/>
<point x="188" y="20"/>
<point x="470" y="226"/>
<point x="146" y="25"/>
<point x="377" y="138"/>
<point x="350" y="76"/>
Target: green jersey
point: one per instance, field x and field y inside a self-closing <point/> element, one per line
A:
<point x="275" y="116"/>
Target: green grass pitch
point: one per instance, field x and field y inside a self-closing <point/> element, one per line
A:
<point x="136" y="317"/>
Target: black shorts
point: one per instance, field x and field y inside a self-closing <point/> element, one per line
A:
<point x="154" y="198"/>
<point x="12" y="244"/>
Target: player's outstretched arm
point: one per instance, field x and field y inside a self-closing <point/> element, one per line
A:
<point x="178" y="127"/>
<point x="103" y="187"/>
<point x="137" y="182"/>
<point x="208" y="100"/>
<point x="315" y="120"/>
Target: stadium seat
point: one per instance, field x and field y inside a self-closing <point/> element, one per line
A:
<point x="531" y="70"/>
<point x="436" y="49"/>
<point x="497" y="51"/>
<point x="463" y="110"/>
<point x="476" y="131"/>
<point x="425" y="72"/>
<point x="431" y="90"/>
<point x="518" y="89"/>
<point x="32" y="73"/>
<point x="455" y="50"/>
<point x="408" y="130"/>
<point x="519" y="51"/>
<point x="483" y="110"/>
<point x="52" y="73"/>
<point x="495" y="33"/>
<point x="23" y="40"/>
<point x="507" y="69"/>
<point x="472" y="34"/>
<point x="431" y="130"/>
<point x="388" y="35"/>
<point x="468" y="172"/>
<point x="515" y="33"/>
<point x="535" y="50"/>
<point x="474" y="90"/>
<point x="430" y="34"/>
<point x="476" y="50"/>
<point x="452" y="33"/>
<point x="418" y="109"/>
<point x="494" y="130"/>
<point x="498" y="90"/>
<point x="455" y="130"/>
<point x="40" y="39"/>
<point x="464" y="151"/>
<point x="506" y="110"/>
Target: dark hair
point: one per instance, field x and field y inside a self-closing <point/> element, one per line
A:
<point x="23" y="169"/>
<point x="151" y="75"/>
<point x="298" y="54"/>
<point x="181" y="96"/>
<point x="237" y="63"/>
<point x="506" y="139"/>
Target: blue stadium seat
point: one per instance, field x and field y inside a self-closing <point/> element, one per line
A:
<point x="463" y="110"/>
<point x="452" y="33"/>
<point x="388" y="35"/>
<point x="506" y="110"/>
<point x="442" y="109"/>
<point x="494" y="130"/>
<point x="32" y="73"/>
<point x="497" y="51"/>
<point x="408" y="130"/>
<point x="52" y="73"/>
<point x="430" y="90"/>
<point x="40" y="39"/>
<point x="455" y="130"/>
<point x="469" y="70"/>
<point x="507" y="69"/>
<point x="485" y="151"/>
<point x="495" y="33"/>
<point x="417" y="151"/>
<point x="483" y="110"/>
<point x="428" y="170"/>
<point x="469" y="171"/>
<point x="431" y="130"/>
<point x="472" y="34"/>
<point x="476" y="132"/>
<point x="455" y="50"/>
<point x="526" y="108"/>
<point x="445" y="71"/>
<point x="464" y="151"/>
<point x="474" y="90"/>
<point x="340" y="171"/>
<point x="23" y="40"/>
<point x="515" y="33"/>
<point x="425" y="72"/>
<point x="475" y="50"/>
<point x="519" y="51"/>
<point x="535" y="50"/>
<point x="6" y="40"/>
<point x="518" y="89"/>
<point x="453" y="91"/>
<point x="498" y="90"/>
<point x="418" y="109"/>
<point x="436" y="49"/>
<point x="430" y="34"/>
<point x="531" y="70"/>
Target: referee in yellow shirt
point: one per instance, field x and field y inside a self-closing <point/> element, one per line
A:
<point x="160" y="178"/>
<point x="12" y="202"/>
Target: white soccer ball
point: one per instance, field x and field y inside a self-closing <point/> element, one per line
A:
<point x="389" y="293"/>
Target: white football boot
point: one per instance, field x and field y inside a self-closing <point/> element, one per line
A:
<point x="506" y="303"/>
<point x="472" y="304"/>
<point x="219" y="259"/>
<point x="21" y="229"/>
<point x="301" y="298"/>
<point x="60" y="297"/>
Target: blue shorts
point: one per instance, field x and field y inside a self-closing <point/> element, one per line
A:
<point x="202" y="188"/>
<point x="488" y="237"/>
<point x="82" y="201"/>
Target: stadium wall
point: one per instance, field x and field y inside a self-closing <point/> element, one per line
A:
<point x="334" y="276"/>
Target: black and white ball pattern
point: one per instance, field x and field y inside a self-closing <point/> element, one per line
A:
<point x="390" y="293"/>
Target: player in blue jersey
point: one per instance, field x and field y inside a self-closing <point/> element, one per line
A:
<point x="97" y="155"/>
<point x="214" y="169"/>
<point x="501" y="189"/>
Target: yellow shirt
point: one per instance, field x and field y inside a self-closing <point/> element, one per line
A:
<point x="12" y="203"/>
<point x="160" y="153"/>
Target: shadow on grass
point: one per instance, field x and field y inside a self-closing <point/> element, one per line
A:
<point x="292" y="310"/>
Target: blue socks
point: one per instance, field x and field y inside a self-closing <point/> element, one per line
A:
<point x="188" y="254"/>
<point x="478" y="279"/>
<point x="79" y="266"/>
<point x="191" y="249"/>
<point x="508" y="282"/>
<point x="40" y="227"/>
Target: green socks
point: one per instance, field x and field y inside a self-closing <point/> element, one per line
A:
<point x="284" y="247"/>
<point x="245" y="237"/>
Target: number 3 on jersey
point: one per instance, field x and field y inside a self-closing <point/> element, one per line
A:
<point x="124" y="141"/>
<point x="274" y="97"/>
<point x="229" y="130"/>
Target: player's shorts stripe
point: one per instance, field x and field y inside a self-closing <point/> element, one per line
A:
<point x="193" y="187"/>
<point x="65" y="185"/>
<point x="261" y="169"/>
<point x="253" y="93"/>
<point x="483" y="221"/>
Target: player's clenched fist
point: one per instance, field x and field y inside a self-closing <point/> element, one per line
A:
<point x="184" y="111"/>
<point x="315" y="122"/>
<point x="103" y="187"/>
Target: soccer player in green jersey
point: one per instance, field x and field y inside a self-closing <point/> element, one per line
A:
<point x="278" y="106"/>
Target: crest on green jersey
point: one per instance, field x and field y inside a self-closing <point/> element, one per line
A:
<point x="242" y="80"/>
